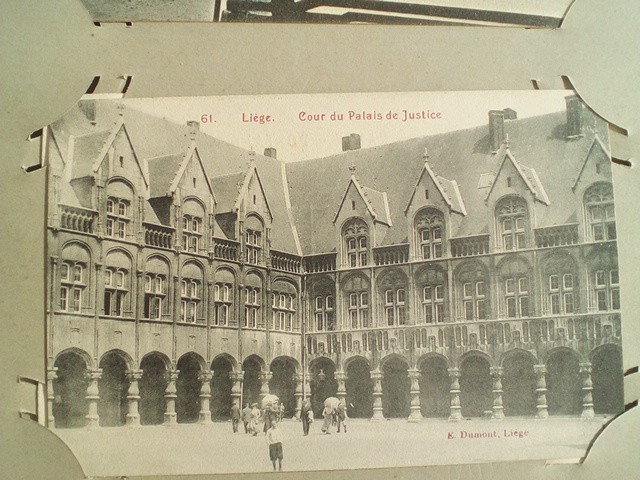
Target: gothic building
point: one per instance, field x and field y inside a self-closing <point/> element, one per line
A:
<point x="466" y="274"/>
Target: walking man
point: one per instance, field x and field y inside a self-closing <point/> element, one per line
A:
<point x="327" y="413"/>
<point x="274" y="440"/>
<point x="246" y="417"/>
<point x="341" y="413"/>
<point x="306" y="415"/>
<point x="235" y="417"/>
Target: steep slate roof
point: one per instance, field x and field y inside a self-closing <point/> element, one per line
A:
<point x="86" y="149"/>
<point x="462" y="156"/>
<point x="156" y="138"/>
<point x="162" y="172"/>
<point x="227" y="188"/>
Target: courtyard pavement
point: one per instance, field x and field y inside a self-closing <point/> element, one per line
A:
<point x="201" y="449"/>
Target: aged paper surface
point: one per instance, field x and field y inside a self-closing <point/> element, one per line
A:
<point x="435" y="274"/>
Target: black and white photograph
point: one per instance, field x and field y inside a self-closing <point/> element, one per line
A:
<point x="510" y="13"/>
<point x="330" y="281"/>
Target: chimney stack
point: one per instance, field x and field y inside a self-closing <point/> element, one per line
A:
<point x="271" y="152"/>
<point x="575" y="118"/>
<point x="352" y="142"/>
<point x="194" y="127"/>
<point x="496" y="129"/>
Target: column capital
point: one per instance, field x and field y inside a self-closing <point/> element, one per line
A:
<point x="340" y="376"/>
<point x="205" y="376"/>
<point x="540" y="369"/>
<point x="585" y="367"/>
<point x="94" y="374"/>
<point x="414" y="373"/>
<point x="454" y="372"/>
<point x="134" y="375"/>
<point x="496" y="371"/>
<point x="236" y="376"/>
<point x="376" y="375"/>
<point x="52" y="373"/>
<point x="266" y="376"/>
<point x="172" y="375"/>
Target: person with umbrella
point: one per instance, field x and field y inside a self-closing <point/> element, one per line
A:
<point x="330" y="406"/>
<point x="270" y="405"/>
<point x="255" y="417"/>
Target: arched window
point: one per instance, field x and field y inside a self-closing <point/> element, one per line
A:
<point x="223" y="291"/>
<point x="473" y="295"/>
<point x="156" y="285"/>
<point x="253" y="239"/>
<point x="283" y="303"/>
<point x="394" y="297"/>
<point x="356" y="291"/>
<point x="516" y="293"/>
<point x="191" y="290"/>
<point x="253" y="302"/>
<point x="356" y="243"/>
<point x="432" y="290"/>
<point x="429" y="224"/>
<point x="118" y="209"/>
<point x="562" y="286"/>
<point x="512" y="223"/>
<point x="74" y="277"/>
<point x="117" y="274"/>
<point x="598" y="200"/>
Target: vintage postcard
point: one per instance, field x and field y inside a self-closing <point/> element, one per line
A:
<point x="338" y="281"/>
<point x="542" y="14"/>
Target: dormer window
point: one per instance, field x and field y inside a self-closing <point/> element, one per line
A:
<point x="356" y="238"/>
<point x="598" y="201"/>
<point x="512" y="218"/>
<point x="253" y="246"/>
<point x="117" y="217"/>
<point x="430" y="227"/>
<point x="191" y="233"/>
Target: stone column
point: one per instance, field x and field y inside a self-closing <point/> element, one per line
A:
<point x="498" y="411"/>
<point x="307" y="385"/>
<point x="456" y="414"/>
<point x="170" y="395"/>
<point x="541" y="390"/>
<point x="133" y="397"/>
<point x="236" y="387"/>
<point x="52" y="374"/>
<point x="93" y="395"/>
<point x="204" y="417"/>
<point x="298" y="395"/>
<point x="341" y="393"/>
<point x="376" y="376"/>
<point x="415" y="415"/>
<point x="587" y="391"/>
<point x="264" y="383"/>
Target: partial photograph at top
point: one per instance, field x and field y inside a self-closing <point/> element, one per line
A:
<point x="542" y="14"/>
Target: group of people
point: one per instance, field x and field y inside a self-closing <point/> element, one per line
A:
<point x="273" y="413"/>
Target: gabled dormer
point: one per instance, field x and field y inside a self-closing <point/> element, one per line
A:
<point x="361" y="222"/>
<point x="434" y="212"/>
<point x="514" y="197"/>
<point x="593" y="192"/>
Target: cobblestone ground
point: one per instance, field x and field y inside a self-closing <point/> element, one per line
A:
<point x="193" y="449"/>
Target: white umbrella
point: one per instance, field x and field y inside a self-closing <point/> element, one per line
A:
<point x="332" y="402"/>
<point x="269" y="400"/>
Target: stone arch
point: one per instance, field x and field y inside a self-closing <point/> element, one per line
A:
<point x="472" y="290"/>
<point x="254" y="221"/>
<point x="323" y="382"/>
<point x="200" y="210"/>
<point x="188" y="385"/>
<point x="429" y="226"/>
<point x="434" y="385"/>
<point x="564" y="386"/>
<point x="359" y="386"/>
<point x="396" y="386"/>
<point x="476" y="385"/>
<point x="284" y="370"/>
<point x="157" y="256"/>
<point x="70" y="388"/>
<point x="253" y="367"/>
<point x="113" y="386"/>
<point x="120" y="186"/>
<point x="518" y="382"/>
<point x="152" y="385"/>
<point x="608" y="379"/>
<point x="74" y="247"/>
<point x="223" y="366"/>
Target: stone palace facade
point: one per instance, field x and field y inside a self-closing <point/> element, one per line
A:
<point x="466" y="274"/>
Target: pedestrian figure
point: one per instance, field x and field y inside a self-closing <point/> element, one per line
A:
<point x="246" y="417"/>
<point x="255" y="418"/>
<point x="327" y="413"/>
<point x="341" y="413"/>
<point x="306" y="415"/>
<point x="271" y="413"/>
<point x="274" y="440"/>
<point x="235" y="417"/>
<point x="281" y="413"/>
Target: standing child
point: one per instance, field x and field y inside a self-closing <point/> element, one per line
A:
<point x="274" y="440"/>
